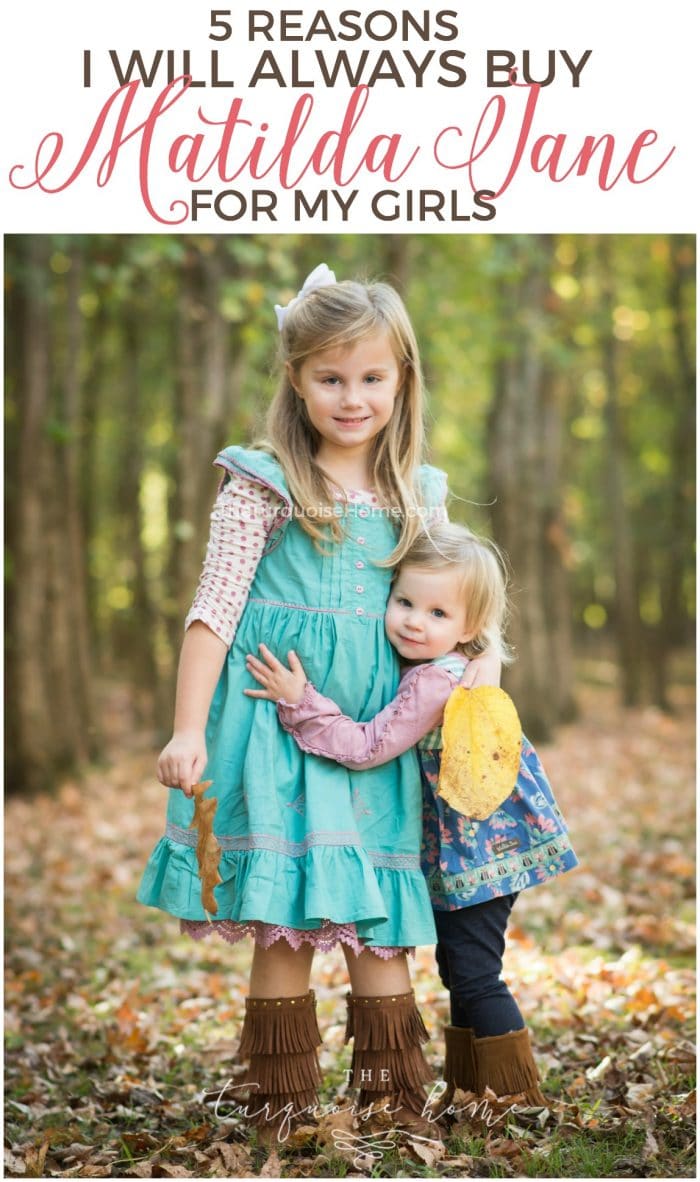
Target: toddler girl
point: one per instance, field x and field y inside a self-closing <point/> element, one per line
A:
<point x="303" y="533"/>
<point x="446" y="606"/>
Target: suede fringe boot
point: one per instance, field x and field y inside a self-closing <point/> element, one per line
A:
<point x="504" y="1063"/>
<point x="388" y="1065"/>
<point x="460" y="1063"/>
<point x="279" y="1038"/>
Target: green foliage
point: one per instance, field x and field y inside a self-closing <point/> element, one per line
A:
<point x="136" y="294"/>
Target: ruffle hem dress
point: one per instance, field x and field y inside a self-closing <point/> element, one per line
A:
<point x="311" y="852"/>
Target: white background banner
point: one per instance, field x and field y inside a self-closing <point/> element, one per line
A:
<point x="382" y="117"/>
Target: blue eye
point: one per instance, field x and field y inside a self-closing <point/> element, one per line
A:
<point x="437" y="611"/>
<point x="403" y="602"/>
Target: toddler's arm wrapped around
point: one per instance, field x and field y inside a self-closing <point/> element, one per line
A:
<point x="319" y="726"/>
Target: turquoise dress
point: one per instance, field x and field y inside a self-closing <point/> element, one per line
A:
<point x="303" y="839"/>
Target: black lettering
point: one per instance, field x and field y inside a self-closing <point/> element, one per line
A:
<point x="266" y="22"/>
<point x="493" y="68"/>
<point x="301" y="205"/>
<point x="479" y="202"/>
<point x="386" y="69"/>
<point x="551" y="69"/>
<point x="418" y="67"/>
<point x="136" y="62"/>
<point x="218" y="23"/>
<point x="287" y="23"/>
<point x="376" y="210"/>
<point x="432" y="201"/>
<point x="231" y="205"/>
<point x="320" y="24"/>
<point x="383" y="15"/>
<point x="576" y="67"/>
<point x="267" y="70"/>
<point x="446" y="63"/>
<point x="341" y="61"/>
<point x="347" y="21"/>
<point x="411" y="21"/>
<point x="444" y="21"/>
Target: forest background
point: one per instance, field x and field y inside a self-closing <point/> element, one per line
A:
<point x="560" y="372"/>
<point x="561" y="384"/>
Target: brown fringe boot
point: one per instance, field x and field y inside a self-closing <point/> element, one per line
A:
<point x="279" y="1037"/>
<point x="504" y="1063"/>
<point x="460" y="1063"/>
<point x="388" y="1065"/>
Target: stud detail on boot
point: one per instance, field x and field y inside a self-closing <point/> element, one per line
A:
<point x="279" y="1038"/>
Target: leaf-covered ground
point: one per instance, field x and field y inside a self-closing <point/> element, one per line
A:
<point x="117" y="1026"/>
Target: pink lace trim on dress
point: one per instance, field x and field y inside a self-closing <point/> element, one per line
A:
<point x="266" y="934"/>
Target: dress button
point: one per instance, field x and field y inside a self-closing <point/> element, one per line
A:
<point x="360" y="541"/>
<point x="359" y="565"/>
<point x="363" y="512"/>
<point x="359" y="611"/>
<point x="359" y="589"/>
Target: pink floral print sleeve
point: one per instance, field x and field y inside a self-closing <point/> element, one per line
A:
<point x="241" y="519"/>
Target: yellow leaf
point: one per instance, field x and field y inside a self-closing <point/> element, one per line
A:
<point x="482" y="738"/>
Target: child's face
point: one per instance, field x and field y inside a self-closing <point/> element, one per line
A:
<point x="426" y="616"/>
<point x="350" y="392"/>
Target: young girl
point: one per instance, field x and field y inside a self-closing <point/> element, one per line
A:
<point x="446" y="606"/>
<point x="312" y="854"/>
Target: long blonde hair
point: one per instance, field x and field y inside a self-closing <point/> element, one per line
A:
<point x="484" y="581"/>
<point x="335" y="316"/>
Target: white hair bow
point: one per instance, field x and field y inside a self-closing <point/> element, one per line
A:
<point x="321" y="276"/>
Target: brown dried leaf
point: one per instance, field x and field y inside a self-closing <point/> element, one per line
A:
<point x="429" y="1152"/>
<point x="272" y="1167"/>
<point x="235" y="1158"/>
<point x="639" y="1095"/>
<point x="208" y="848"/>
<point x="331" y="1125"/>
<point x="14" y="1163"/>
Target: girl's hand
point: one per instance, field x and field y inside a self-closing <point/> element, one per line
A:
<point x="277" y="680"/>
<point x="483" y="670"/>
<point x="183" y="760"/>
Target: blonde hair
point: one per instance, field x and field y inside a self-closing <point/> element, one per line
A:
<point x="484" y="582"/>
<point x="336" y="316"/>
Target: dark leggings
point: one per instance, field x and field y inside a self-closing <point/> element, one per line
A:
<point x="469" y="953"/>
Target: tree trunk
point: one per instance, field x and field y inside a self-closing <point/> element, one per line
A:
<point x="397" y="253"/>
<point x="142" y="624"/>
<point x="72" y="451"/>
<point x="514" y="448"/>
<point x="524" y="433"/>
<point x="627" y="621"/>
<point x="186" y="548"/>
<point x="210" y="374"/>
<point x="673" y="624"/>
<point x="30" y="753"/>
<point x="556" y="549"/>
<point x="89" y="477"/>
